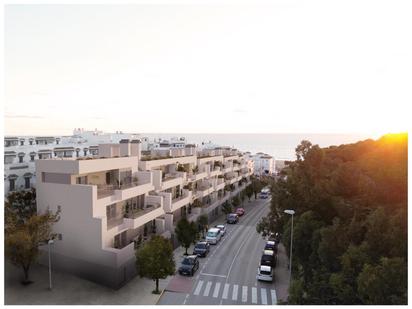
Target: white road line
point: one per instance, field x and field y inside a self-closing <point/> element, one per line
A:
<point x="198" y="287"/>
<point x="244" y="294"/>
<point x="225" y="291"/>
<point x="216" y="290"/>
<point x="213" y="275"/>
<point x="263" y="296"/>
<point x="207" y="289"/>
<point x="187" y="296"/>
<point x="254" y="295"/>
<point x="234" y="292"/>
<point x="274" y="298"/>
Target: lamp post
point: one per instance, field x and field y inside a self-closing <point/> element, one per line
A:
<point x="290" y="212"/>
<point x="50" y="242"/>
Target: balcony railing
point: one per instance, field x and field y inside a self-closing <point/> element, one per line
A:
<point x="136" y="213"/>
<point x="107" y="190"/>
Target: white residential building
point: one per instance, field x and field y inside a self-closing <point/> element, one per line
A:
<point x="264" y="164"/>
<point x="114" y="201"/>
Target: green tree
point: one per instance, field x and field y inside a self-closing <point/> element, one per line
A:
<point x="249" y="192"/>
<point x="22" y="239"/>
<point x="155" y="260"/>
<point x="202" y="222"/>
<point x="227" y="208"/>
<point x="21" y="205"/>
<point x="186" y="233"/>
<point x="385" y="283"/>
<point x="235" y="201"/>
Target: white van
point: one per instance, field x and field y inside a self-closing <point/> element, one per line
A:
<point x="213" y="236"/>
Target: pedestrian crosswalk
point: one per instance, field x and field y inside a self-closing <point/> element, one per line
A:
<point x="235" y="292"/>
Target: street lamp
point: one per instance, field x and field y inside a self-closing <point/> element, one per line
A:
<point x="290" y="212"/>
<point x="50" y="242"/>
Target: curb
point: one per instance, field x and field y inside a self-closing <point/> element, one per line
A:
<point x="160" y="296"/>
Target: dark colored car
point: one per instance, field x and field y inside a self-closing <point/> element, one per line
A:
<point x="240" y="211"/>
<point x="201" y="248"/>
<point x="268" y="258"/>
<point x="271" y="245"/>
<point x="232" y="218"/>
<point x="189" y="265"/>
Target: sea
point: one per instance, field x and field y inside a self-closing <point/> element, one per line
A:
<point x="279" y="145"/>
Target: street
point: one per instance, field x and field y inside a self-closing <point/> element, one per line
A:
<point x="227" y="276"/>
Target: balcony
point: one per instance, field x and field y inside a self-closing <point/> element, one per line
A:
<point x="136" y="218"/>
<point x="204" y="190"/>
<point x="220" y="184"/>
<point x="236" y="167"/>
<point x="198" y="176"/>
<point x="216" y="172"/>
<point x="124" y="191"/>
<point x="172" y="180"/>
<point x="185" y="199"/>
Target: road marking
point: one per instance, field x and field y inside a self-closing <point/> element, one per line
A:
<point x="207" y="289"/>
<point x="244" y="294"/>
<point x="213" y="275"/>
<point x="187" y="296"/>
<point x="273" y="295"/>
<point x="198" y="287"/>
<point x="216" y="291"/>
<point x="263" y="296"/>
<point x="225" y="291"/>
<point x="254" y="295"/>
<point x="234" y="292"/>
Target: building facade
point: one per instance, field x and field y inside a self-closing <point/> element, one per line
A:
<point x="264" y="164"/>
<point x="114" y="201"/>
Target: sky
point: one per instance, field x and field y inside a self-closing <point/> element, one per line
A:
<point x="284" y="67"/>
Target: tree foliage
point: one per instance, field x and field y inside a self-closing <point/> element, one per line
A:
<point x="350" y="226"/>
<point x="227" y="208"/>
<point x="155" y="260"/>
<point x="186" y="233"/>
<point x="24" y="234"/>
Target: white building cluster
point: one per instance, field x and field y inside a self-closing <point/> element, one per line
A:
<point x="264" y="164"/>
<point x="113" y="200"/>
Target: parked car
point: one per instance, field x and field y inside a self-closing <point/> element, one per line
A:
<point x="265" y="273"/>
<point x="222" y="229"/>
<point x="201" y="248"/>
<point x="213" y="236"/>
<point x="240" y="211"/>
<point x="271" y="245"/>
<point x="189" y="265"/>
<point x="268" y="258"/>
<point x="232" y="219"/>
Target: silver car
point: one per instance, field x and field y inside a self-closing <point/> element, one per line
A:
<point x="222" y="229"/>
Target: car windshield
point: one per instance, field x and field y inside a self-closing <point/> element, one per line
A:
<point x="187" y="261"/>
<point x="267" y="258"/>
<point x="211" y="234"/>
<point x="265" y="272"/>
<point x="201" y="246"/>
<point x="220" y="227"/>
<point x="231" y="216"/>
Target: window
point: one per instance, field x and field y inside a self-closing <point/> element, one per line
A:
<point x="12" y="184"/>
<point x="31" y="142"/>
<point x="82" y="180"/>
<point x="27" y="182"/>
<point x="21" y="143"/>
<point x="20" y="159"/>
<point x="111" y="211"/>
<point x="32" y="157"/>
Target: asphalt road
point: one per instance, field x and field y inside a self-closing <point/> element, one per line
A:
<point x="227" y="276"/>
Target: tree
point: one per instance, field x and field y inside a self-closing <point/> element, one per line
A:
<point x="242" y="196"/>
<point x="227" y="208"/>
<point x="186" y="233"/>
<point x="385" y="283"/>
<point x="21" y="205"/>
<point x="22" y="239"/>
<point x="249" y="192"/>
<point x="235" y="201"/>
<point x="155" y="260"/>
<point x="202" y="222"/>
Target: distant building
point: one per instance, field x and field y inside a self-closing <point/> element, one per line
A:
<point x="264" y="164"/>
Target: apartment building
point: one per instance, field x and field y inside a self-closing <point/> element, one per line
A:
<point x="113" y="202"/>
<point x="264" y="164"/>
